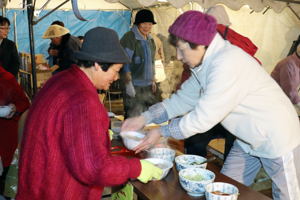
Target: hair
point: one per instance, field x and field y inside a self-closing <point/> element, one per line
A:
<point x="57" y="22"/>
<point x="4" y="20"/>
<point x="88" y="64"/>
<point x="80" y="37"/>
<point x="173" y="39"/>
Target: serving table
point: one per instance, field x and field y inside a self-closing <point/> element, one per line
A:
<point x="170" y="189"/>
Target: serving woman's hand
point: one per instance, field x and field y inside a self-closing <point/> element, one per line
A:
<point x="151" y="139"/>
<point x="133" y="124"/>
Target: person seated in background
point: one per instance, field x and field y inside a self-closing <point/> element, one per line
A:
<point x="230" y="87"/>
<point x="53" y="49"/>
<point x="66" y="45"/>
<point x="65" y="151"/>
<point x="287" y="74"/>
<point x="9" y="56"/>
<point x="13" y="102"/>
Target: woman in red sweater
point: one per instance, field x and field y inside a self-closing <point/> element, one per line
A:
<point x="65" y="152"/>
<point x="13" y="102"/>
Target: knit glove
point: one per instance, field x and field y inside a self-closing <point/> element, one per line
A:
<point x="149" y="172"/>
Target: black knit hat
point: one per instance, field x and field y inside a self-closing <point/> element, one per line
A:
<point x="144" y="16"/>
<point x="102" y="45"/>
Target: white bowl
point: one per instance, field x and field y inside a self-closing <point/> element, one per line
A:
<point x="165" y="165"/>
<point x="163" y="153"/>
<point x="221" y="191"/>
<point x="131" y="139"/>
<point x="194" y="180"/>
<point x="186" y="161"/>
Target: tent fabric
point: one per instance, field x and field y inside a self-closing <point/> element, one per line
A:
<point x="261" y="28"/>
<point x="256" y="5"/>
<point x="117" y="20"/>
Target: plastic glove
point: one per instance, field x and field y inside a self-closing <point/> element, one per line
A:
<point x="111" y="133"/>
<point x="149" y="172"/>
<point x="5" y="111"/>
<point x="130" y="91"/>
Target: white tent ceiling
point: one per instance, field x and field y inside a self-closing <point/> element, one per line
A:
<point x="273" y="20"/>
<point x="256" y="5"/>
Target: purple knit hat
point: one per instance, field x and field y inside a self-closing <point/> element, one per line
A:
<point x="196" y="27"/>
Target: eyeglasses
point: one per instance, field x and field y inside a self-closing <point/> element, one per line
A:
<point x="5" y="28"/>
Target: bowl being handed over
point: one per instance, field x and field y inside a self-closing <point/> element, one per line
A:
<point x="163" y="153"/>
<point x="165" y="165"/>
<point x="221" y="191"/>
<point x="194" y="180"/>
<point x="131" y="139"/>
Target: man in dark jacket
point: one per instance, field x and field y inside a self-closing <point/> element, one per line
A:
<point x="9" y="57"/>
<point x="66" y="45"/>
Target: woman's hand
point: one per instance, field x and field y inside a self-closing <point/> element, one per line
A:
<point x="151" y="139"/>
<point x="133" y="124"/>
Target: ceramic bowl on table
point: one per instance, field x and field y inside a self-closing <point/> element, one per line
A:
<point x="131" y="139"/>
<point x="186" y="161"/>
<point x="165" y="165"/>
<point x="221" y="191"/>
<point x="194" y="180"/>
<point x="163" y="153"/>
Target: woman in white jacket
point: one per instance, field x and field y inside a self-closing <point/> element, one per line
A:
<point x="229" y="86"/>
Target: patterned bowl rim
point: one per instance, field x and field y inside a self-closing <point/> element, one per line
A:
<point x="198" y="169"/>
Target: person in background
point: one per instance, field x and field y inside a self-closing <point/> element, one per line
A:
<point x="140" y="88"/>
<point x="81" y="38"/>
<point x="66" y="45"/>
<point x="53" y="49"/>
<point x="230" y="87"/>
<point x="159" y="69"/>
<point x="13" y="102"/>
<point x="287" y="74"/>
<point x="9" y="56"/>
<point x="65" y="150"/>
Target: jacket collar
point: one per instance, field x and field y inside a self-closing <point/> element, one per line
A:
<point x="215" y="46"/>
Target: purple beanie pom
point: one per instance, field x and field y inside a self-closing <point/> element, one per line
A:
<point x="196" y="27"/>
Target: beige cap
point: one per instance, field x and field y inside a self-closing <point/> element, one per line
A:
<point x="55" y="31"/>
<point x="220" y="14"/>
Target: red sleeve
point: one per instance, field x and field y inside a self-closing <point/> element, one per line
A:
<point x="19" y="98"/>
<point x="11" y="92"/>
<point x="85" y="145"/>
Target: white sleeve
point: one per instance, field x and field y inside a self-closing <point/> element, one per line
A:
<point x="226" y="86"/>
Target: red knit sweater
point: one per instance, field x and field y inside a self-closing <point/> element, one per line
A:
<point x="65" y="151"/>
<point x="10" y="92"/>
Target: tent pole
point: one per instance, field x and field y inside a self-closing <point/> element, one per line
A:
<point x="57" y="7"/>
<point x="293" y="11"/>
<point x="30" y="10"/>
<point x="3" y="11"/>
<point x="290" y="1"/>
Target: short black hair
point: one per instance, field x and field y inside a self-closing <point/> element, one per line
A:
<point x="80" y="37"/>
<point x="57" y="22"/>
<point x="4" y="20"/>
<point x="88" y="64"/>
<point x="173" y="40"/>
